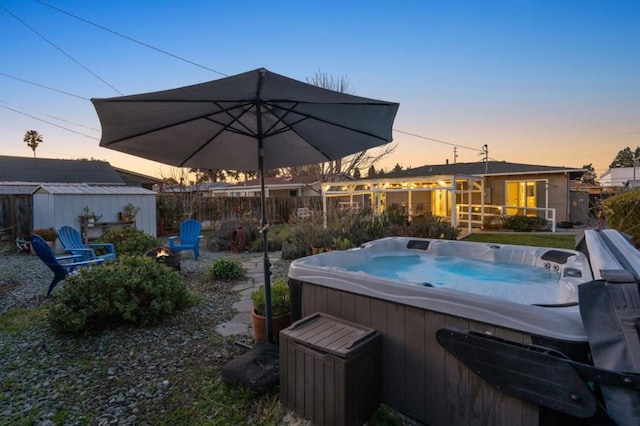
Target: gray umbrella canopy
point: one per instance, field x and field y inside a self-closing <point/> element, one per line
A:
<point x="252" y="121"/>
<point x="215" y="125"/>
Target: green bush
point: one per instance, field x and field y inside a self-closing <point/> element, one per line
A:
<point x="364" y="226"/>
<point x="279" y="299"/>
<point x="129" y="240"/>
<point x="520" y="223"/>
<point x="225" y="269"/>
<point x="432" y="227"/>
<point x="294" y="245"/>
<point x="622" y="212"/>
<point x="219" y="237"/>
<point x="131" y="289"/>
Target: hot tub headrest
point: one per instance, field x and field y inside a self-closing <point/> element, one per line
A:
<point x="617" y="276"/>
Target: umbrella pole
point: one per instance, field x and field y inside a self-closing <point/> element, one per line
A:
<point x="264" y="228"/>
<point x="264" y="225"/>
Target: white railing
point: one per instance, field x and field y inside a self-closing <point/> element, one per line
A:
<point x="479" y="213"/>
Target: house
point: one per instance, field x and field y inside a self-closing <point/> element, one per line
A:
<point x="37" y="171"/>
<point x="619" y="177"/>
<point x="136" y="179"/>
<point x="298" y="186"/>
<point x="465" y="193"/>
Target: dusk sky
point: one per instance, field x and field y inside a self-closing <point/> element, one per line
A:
<point x="552" y="83"/>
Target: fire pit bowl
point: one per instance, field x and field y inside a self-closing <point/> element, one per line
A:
<point x="166" y="255"/>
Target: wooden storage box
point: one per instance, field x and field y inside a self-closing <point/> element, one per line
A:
<point x="330" y="370"/>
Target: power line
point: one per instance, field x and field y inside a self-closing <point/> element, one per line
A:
<point x="58" y="48"/>
<point x="48" y="122"/>
<point x="210" y="69"/>
<point x="130" y="38"/>
<point x="438" y="140"/>
<point x="44" y="87"/>
<point x="51" y="116"/>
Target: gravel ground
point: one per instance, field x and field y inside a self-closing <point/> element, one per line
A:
<point x="120" y="376"/>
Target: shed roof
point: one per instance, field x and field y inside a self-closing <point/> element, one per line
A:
<point x="48" y="170"/>
<point x="17" y="188"/>
<point x="93" y="190"/>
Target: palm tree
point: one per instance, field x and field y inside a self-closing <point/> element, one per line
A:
<point x="32" y="138"/>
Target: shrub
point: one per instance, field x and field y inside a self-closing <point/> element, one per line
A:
<point x="363" y="226"/>
<point x="294" y="245"/>
<point x="225" y="269"/>
<point x="622" y="212"/>
<point x="341" y="243"/>
<point x="432" y="227"/>
<point x="493" y="222"/>
<point x="279" y="299"/>
<point x="130" y="289"/>
<point x="522" y="223"/>
<point x="129" y="240"/>
<point x="219" y="237"/>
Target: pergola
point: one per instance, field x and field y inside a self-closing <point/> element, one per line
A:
<point x="463" y="190"/>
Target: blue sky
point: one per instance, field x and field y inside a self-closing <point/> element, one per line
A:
<point x="540" y="82"/>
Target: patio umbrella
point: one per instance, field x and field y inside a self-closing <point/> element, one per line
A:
<point x="256" y="120"/>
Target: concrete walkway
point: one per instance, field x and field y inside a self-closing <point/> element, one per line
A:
<point x="242" y="323"/>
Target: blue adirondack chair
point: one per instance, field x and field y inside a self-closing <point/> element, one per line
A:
<point x="61" y="265"/>
<point x="189" y="238"/>
<point x="72" y="242"/>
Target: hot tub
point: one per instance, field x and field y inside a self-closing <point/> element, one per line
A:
<point x="420" y="378"/>
<point x="467" y="281"/>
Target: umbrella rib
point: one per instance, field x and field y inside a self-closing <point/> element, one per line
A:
<point x="307" y="116"/>
<point x="225" y="127"/>
<point x="204" y="116"/>
<point x="281" y="119"/>
<point x="228" y="127"/>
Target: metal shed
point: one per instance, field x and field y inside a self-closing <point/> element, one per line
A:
<point x="58" y="205"/>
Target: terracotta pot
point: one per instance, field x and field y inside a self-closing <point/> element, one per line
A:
<point x="277" y="323"/>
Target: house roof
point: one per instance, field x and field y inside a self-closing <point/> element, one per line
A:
<point x="276" y="182"/>
<point x="137" y="179"/>
<point x="490" y="168"/>
<point x="47" y="170"/>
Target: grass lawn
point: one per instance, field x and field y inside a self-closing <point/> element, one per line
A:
<point x="566" y="241"/>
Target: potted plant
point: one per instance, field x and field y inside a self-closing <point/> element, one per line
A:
<point x="280" y="310"/>
<point x="89" y="217"/>
<point x="47" y="234"/>
<point x="129" y="212"/>
<point x="321" y="239"/>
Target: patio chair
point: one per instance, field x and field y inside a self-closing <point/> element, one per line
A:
<point x="72" y="242"/>
<point x="61" y="266"/>
<point x="189" y="238"/>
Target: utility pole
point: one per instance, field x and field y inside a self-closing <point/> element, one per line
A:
<point x="485" y="149"/>
<point x="455" y="154"/>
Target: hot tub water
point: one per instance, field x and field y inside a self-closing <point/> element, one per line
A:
<point x="515" y="282"/>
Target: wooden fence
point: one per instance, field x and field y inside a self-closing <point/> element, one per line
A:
<point x="174" y="209"/>
<point x="16" y="216"/>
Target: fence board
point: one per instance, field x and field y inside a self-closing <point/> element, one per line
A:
<point x="16" y="216"/>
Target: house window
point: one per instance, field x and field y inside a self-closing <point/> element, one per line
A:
<point x="525" y="197"/>
<point x="293" y="193"/>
